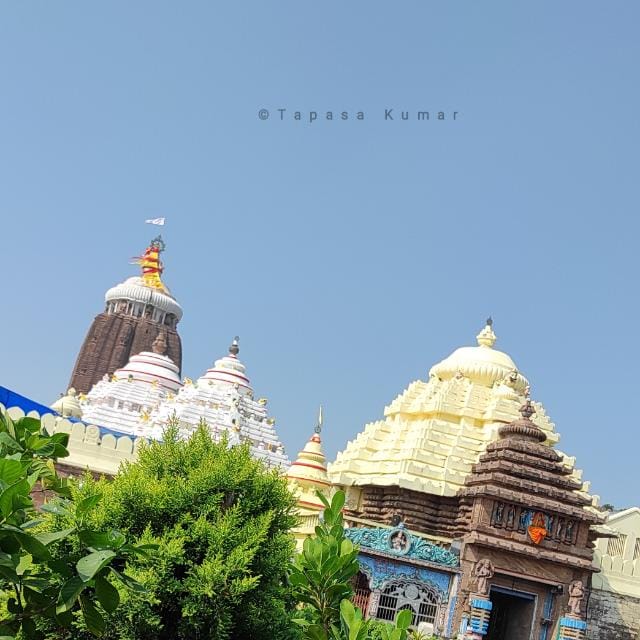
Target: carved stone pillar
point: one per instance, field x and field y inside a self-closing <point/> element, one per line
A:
<point x="374" y="599"/>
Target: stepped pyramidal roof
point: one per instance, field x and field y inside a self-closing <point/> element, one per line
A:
<point x="223" y="398"/>
<point x="122" y="401"/>
<point x="143" y="397"/>
<point x="435" y="431"/>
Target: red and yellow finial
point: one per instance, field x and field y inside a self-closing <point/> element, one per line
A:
<point x="151" y="265"/>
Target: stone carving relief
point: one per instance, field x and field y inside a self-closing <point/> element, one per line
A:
<point x="400" y="542"/>
<point x="483" y="572"/>
<point x="576" y="595"/>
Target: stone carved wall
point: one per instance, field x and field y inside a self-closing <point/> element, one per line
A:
<point x="423" y="512"/>
<point x="613" y="616"/>
<point x="111" y="340"/>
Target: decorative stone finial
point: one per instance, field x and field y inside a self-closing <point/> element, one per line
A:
<point x="487" y="338"/>
<point x="234" y="349"/>
<point x="68" y="406"/>
<point x="159" y="345"/>
<point x="527" y="410"/>
<point x="524" y="428"/>
<point x="318" y="428"/>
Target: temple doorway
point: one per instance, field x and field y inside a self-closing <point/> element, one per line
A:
<point x="512" y="615"/>
<point x="361" y="592"/>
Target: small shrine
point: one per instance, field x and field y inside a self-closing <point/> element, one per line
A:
<point x="525" y="539"/>
<point x="306" y="477"/>
<point x="223" y="399"/>
<point x="126" y="398"/>
<point x="464" y="511"/>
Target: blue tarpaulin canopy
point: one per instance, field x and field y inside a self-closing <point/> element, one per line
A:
<point x="12" y="399"/>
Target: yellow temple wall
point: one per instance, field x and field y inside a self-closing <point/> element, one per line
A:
<point x="87" y="448"/>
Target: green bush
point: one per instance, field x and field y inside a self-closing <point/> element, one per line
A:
<point x="221" y="522"/>
<point x="49" y="575"/>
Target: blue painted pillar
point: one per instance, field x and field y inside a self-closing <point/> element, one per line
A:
<point x="571" y="628"/>
<point x="479" y="619"/>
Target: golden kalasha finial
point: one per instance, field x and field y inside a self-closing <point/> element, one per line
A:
<point x="487" y="338"/>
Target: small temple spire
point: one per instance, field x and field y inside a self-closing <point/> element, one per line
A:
<point x="487" y="338"/>
<point x="310" y="468"/>
<point x="524" y="428"/>
<point x="527" y="410"/>
<point x="234" y="349"/>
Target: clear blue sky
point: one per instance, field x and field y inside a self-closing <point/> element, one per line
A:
<point x="348" y="255"/>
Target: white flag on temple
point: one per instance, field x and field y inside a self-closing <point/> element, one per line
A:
<point x="155" y="221"/>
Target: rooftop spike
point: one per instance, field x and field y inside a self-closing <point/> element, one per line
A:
<point x="487" y="338"/>
<point x="318" y="428"/>
<point x="234" y="349"/>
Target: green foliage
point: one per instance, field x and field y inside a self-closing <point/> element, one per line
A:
<point x="39" y="584"/>
<point x="321" y="577"/>
<point x="414" y="634"/>
<point x="221" y="523"/>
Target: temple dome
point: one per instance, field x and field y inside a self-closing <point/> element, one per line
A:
<point x="135" y="290"/>
<point x="126" y="398"/>
<point x="482" y="364"/>
<point x="151" y="367"/>
<point x="229" y="368"/>
<point x="68" y="406"/>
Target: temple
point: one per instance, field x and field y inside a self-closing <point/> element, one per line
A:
<point x="134" y="311"/>
<point x="463" y="510"/>
<point x="307" y="477"/>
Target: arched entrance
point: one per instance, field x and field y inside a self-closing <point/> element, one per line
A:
<point x="361" y="592"/>
<point x="406" y="594"/>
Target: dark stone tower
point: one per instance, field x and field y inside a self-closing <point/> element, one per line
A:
<point x="135" y="310"/>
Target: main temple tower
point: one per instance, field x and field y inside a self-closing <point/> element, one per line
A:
<point x="134" y="312"/>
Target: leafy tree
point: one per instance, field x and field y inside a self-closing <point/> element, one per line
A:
<point x="37" y="585"/>
<point x="221" y="523"/>
<point x="321" y="577"/>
